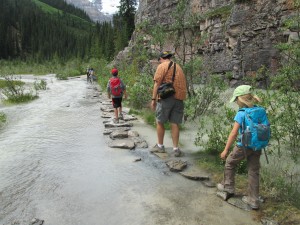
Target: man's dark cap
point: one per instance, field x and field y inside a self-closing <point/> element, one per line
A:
<point x="165" y="54"/>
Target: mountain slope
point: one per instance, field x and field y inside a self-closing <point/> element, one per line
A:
<point x="93" y="9"/>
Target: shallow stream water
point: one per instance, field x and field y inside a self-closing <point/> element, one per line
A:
<point x="55" y="166"/>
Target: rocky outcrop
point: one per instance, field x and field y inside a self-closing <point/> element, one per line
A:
<point x="237" y="36"/>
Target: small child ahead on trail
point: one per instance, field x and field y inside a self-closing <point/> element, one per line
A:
<point x="252" y="131"/>
<point x="116" y="89"/>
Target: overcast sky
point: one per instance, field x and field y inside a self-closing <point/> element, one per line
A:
<point x="110" y="6"/>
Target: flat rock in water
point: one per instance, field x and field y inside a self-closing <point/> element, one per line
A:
<point x="129" y="118"/>
<point x="140" y="142"/>
<point x="119" y="134"/>
<point x="161" y="155"/>
<point x="36" y="221"/>
<point x="106" y="103"/>
<point x="193" y="175"/>
<point x="112" y="124"/>
<point x="209" y="183"/>
<point x="234" y="200"/>
<point x="112" y="129"/>
<point x="176" y="165"/>
<point x="133" y="133"/>
<point x="124" y="144"/>
<point x="106" y="109"/>
<point x="237" y="202"/>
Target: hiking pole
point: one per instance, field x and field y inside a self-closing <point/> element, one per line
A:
<point x="266" y="156"/>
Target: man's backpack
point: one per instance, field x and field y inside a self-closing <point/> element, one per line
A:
<point x="256" y="130"/>
<point x="115" y="86"/>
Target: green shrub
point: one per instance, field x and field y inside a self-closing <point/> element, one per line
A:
<point x="2" y="118"/>
<point x="40" y="85"/>
<point x="15" y="92"/>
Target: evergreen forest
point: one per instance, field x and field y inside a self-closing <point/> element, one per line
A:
<point x="43" y="30"/>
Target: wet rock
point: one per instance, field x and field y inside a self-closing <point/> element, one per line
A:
<point x="237" y="202"/>
<point x="119" y="134"/>
<point x="194" y="175"/>
<point x="161" y="155"/>
<point x="106" y="103"/>
<point x="106" y="109"/>
<point x="209" y="183"/>
<point x="129" y="117"/>
<point x="106" y="115"/>
<point x="111" y="124"/>
<point x="140" y="142"/>
<point x="36" y="221"/>
<point x="176" y="165"/>
<point x="124" y="144"/>
<point x="112" y="129"/>
<point x="133" y="133"/>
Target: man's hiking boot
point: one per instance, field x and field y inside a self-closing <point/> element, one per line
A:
<point x="221" y="187"/>
<point x="116" y="120"/>
<point x="177" y="152"/>
<point x="253" y="205"/>
<point x="155" y="148"/>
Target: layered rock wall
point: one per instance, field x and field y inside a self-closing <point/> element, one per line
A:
<point x="238" y="37"/>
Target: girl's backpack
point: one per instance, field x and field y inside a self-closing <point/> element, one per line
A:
<point x="256" y="130"/>
<point x="115" y="86"/>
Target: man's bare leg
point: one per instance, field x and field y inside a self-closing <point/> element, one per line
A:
<point x="175" y="134"/>
<point x="160" y="129"/>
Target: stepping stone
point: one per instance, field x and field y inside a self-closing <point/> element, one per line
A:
<point x="234" y="200"/>
<point x="209" y="183"/>
<point x="111" y="124"/>
<point x="123" y="144"/>
<point x="237" y="202"/>
<point x="106" y="109"/>
<point x="119" y="134"/>
<point x="112" y="129"/>
<point x="133" y="133"/>
<point x="139" y="142"/>
<point x="36" y="221"/>
<point x="161" y="155"/>
<point x="129" y="117"/>
<point x="193" y="175"/>
<point x="176" y="165"/>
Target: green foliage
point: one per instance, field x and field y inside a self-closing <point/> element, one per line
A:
<point x="215" y="129"/>
<point x="282" y="184"/>
<point x="222" y="12"/>
<point x="40" y="85"/>
<point x="206" y="98"/>
<point x="2" y="118"/>
<point x="15" y="92"/>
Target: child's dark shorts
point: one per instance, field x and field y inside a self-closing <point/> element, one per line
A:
<point x="117" y="102"/>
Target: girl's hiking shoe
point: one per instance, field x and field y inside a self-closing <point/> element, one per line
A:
<point x="121" y="117"/>
<point x="116" y="120"/>
<point x="221" y="187"/>
<point x="253" y="205"/>
<point x="155" y="148"/>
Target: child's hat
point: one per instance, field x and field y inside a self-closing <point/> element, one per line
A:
<point x="114" y="71"/>
<point x="240" y="90"/>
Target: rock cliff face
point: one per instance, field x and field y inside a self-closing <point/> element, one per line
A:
<point x="238" y="36"/>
